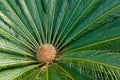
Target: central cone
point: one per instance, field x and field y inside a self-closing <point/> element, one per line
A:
<point x="46" y="53"/>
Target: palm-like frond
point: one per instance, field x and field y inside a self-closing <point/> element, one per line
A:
<point x="105" y="37"/>
<point x="85" y="33"/>
<point x="100" y="61"/>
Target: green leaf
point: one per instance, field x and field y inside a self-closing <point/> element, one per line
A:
<point x="31" y="74"/>
<point x="43" y="74"/>
<point x="66" y="72"/>
<point x="8" y="46"/>
<point x="51" y="13"/>
<point x="53" y="73"/>
<point x="74" y="4"/>
<point x="9" y="16"/>
<point x="62" y="12"/>
<point x="97" y="62"/>
<point x="12" y="74"/>
<point x="75" y="72"/>
<point x="105" y="37"/>
<point x="25" y="8"/>
<point x="93" y="19"/>
<point x="78" y="17"/>
<point x="85" y="34"/>
<point x="14" y="39"/>
<point x="32" y="5"/>
<point x="37" y="74"/>
<point x="8" y="61"/>
<point x="6" y="43"/>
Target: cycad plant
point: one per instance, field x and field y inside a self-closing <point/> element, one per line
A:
<point x="60" y="40"/>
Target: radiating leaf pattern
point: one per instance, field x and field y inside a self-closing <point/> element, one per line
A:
<point x="85" y="33"/>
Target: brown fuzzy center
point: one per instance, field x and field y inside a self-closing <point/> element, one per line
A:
<point x="46" y="53"/>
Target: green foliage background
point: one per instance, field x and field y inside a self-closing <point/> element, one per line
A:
<point x="86" y="34"/>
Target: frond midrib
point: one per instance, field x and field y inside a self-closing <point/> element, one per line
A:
<point x="61" y="68"/>
<point x="96" y="43"/>
<point x="91" y="61"/>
